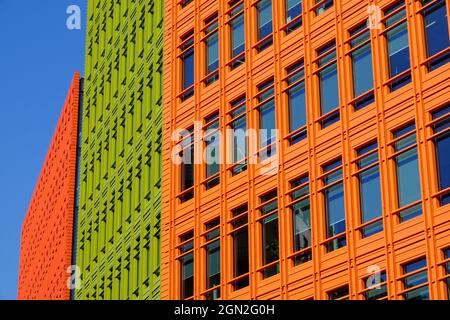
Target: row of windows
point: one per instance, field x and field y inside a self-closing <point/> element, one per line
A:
<point x="404" y="155"/>
<point x="358" y="45"/>
<point x="414" y="280"/>
<point x="414" y="277"/>
<point x="366" y="170"/>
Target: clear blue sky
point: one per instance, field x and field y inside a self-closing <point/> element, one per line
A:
<point x="38" y="56"/>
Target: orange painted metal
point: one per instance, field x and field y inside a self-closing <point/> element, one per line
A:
<point x="46" y="245"/>
<point x="426" y="235"/>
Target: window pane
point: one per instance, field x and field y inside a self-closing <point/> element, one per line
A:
<point x="187" y="276"/>
<point x="188" y="69"/>
<point x="398" y="50"/>
<point x="264" y="18"/>
<point x="297" y="106"/>
<point x="415" y="280"/>
<point x="264" y="15"/>
<point x="324" y="6"/>
<point x="270" y="243"/>
<point x="362" y="70"/>
<point x="237" y="36"/>
<point x="335" y="210"/>
<point x="293" y="9"/>
<point x="302" y="225"/>
<point x="329" y="95"/>
<point x="408" y="180"/>
<point x="443" y="165"/>
<point x="338" y="293"/>
<point x="212" y="52"/>
<point x="370" y="197"/>
<point x="213" y="267"/>
<point x="436" y="33"/>
<point x="267" y="127"/>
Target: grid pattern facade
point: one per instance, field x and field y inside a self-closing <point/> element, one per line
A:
<point x="46" y="244"/>
<point x="332" y="266"/>
<point x="120" y="172"/>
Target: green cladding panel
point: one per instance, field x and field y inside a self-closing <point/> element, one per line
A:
<point x="118" y="248"/>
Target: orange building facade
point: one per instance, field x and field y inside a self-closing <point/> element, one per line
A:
<point x="47" y="231"/>
<point x="348" y="199"/>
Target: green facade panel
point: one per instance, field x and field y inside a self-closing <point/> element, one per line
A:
<point x="118" y="246"/>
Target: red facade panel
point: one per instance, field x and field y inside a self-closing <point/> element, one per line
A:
<point x="46" y="244"/>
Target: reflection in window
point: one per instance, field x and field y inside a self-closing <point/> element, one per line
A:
<point x="293" y="15"/>
<point x="187" y="65"/>
<point x="187" y="166"/>
<point x="369" y="190"/>
<point x="339" y="293"/>
<point x="238" y="125"/>
<point x="435" y="22"/>
<point x="211" y="49"/>
<point x="301" y="220"/>
<point x="239" y="224"/>
<point x="237" y="33"/>
<point x="407" y="173"/>
<point x="376" y="287"/>
<point x="361" y="55"/>
<point x="212" y="156"/>
<point x="447" y="271"/>
<point x="212" y="248"/>
<point x="269" y="237"/>
<point x="296" y="102"/>
<point x="333" y="194"/>
<point x="328" y="84"/>
<point x="264" y="18"/>
<point x="441" y="125"/>
<point x="267" y="129"/>
<point x="396" y="33"/>
<point x="323" y="5"/>
<point x="186" y="259"/>
<point x="415" y="286"/>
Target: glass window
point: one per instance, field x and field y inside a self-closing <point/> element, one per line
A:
<point x="187" y="166"/>
<point x="293" y="15"/>
<point x="296" y="102"/>
<point x="301" y="220"/>
<point x="339" y="293"/>
<point x="435" y="22"/>
<point x="397" y="45"/>
<point x="212" y="156"/>
<point x="212" y="248"/>
<point x="238" y="125"/>
<point x="447" y="271"/>
<point x="187" y="65"/>
<point x="333" y="194"/>
<point x="328" y="84"/>
<point x="239" y="225"/>
<point x="369" y="189"/>
<point x="184" y="3"/>
<point x="269" y="227"/>
<point x="361" y="55"/>
<point x="415" y="285"/>
<point x="186" y="259"/>
<point x="407" y="172"/>
<point x="264" y="18"/>
<point x="323" y="5"/>
<point x="211" y="49"/>
<point x="442" y="151"/>
<point x="237" y="33"/>
<point x="267" y="128"/>
<point x="376" y="287"/>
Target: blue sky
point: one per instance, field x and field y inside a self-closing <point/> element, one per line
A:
<point x="38" y="56"/>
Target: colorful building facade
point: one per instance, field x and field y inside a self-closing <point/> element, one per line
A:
<point x="47" y="230"/>
<point x="252" y="149"/>
<point x="120" y="172"/>
<point x="342" y="190"/>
